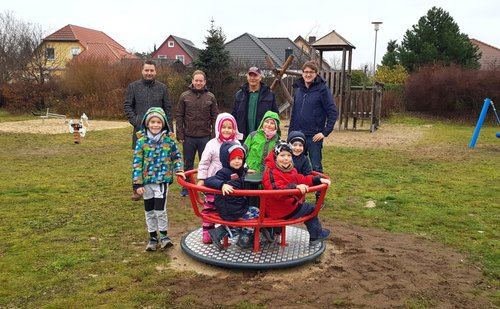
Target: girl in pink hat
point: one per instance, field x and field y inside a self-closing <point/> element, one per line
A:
<point x="226" y="130"/>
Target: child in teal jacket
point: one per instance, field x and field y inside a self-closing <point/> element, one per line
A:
<point x="156" y="159"/>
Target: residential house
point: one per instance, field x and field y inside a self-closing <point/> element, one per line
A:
<point x="178" y="48"/>
<point x="72" y="41"/>
<point x="248" y="50"/>
<point x="490" y="55"/>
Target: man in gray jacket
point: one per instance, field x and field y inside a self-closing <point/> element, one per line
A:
<point x="143" y="94"/>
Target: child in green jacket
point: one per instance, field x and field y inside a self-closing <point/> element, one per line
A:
<point x="259" y="143"/>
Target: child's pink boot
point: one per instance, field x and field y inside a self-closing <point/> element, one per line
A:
<point x="206" y="237"/>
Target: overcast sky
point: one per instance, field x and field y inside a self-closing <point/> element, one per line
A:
<point x="139" y="25"/>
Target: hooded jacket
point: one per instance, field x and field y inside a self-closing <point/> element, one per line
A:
<point x="155" y="162"/>
<point x="229" y="207"/>
<point x="266" y="102"/>
<point x="259" y="146"/>
<point x="283" y="206"/>
<point x="210" y="162"/>
<point x="313" y="108"/>
<point x="196" y="113"/>
<point x="300" y="162"/>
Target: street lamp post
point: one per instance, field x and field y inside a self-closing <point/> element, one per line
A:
<point x="376" y="24"/>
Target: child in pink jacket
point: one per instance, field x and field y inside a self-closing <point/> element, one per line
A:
<point x="226" y="129"/>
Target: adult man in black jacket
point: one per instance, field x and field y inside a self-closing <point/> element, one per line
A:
<point x="143" y="94"/>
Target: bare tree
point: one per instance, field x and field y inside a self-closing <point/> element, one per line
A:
<point x="24" y="64"/>
<point x="335" y="62"/>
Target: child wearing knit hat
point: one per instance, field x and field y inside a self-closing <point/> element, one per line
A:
<point x="156" y="159"/>
<point x="231" y="207"/>
<point x="300" y="159"/>
<point x="280" y="174"/>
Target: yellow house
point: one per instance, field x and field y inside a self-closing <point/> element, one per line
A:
<point x="75" y="41"/>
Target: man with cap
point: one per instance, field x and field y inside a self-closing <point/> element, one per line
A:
<point x="252" y="101"/>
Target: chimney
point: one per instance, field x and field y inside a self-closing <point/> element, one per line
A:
<point x="288" y="52"/>
<point x="312" y="39"/>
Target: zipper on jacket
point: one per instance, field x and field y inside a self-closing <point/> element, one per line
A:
<point x="303" y="103"/>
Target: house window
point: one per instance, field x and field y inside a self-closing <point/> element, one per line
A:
<point x="162" y="57"/>
<point x="180" y="58"/>
<point x="170" y="43"/>
<point x="75" y="51"/>
<point x="50" y="53"/>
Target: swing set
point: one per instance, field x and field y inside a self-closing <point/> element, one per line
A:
<point x="482" y="116"/>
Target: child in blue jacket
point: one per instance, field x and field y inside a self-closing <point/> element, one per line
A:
<point x="299" y="153"/>
<point x="231" y="207"/>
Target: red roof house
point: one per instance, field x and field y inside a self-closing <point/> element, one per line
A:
<point x="71" y="41"/>
<point x="178" y="48"/>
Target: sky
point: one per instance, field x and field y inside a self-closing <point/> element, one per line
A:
<point x="138" y="25"/>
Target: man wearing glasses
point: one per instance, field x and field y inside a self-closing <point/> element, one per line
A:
<point x="313" y="113"/>
<point x="251" y="102"/>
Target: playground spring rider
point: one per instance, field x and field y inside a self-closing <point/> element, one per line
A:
<point x="482" y="116"/>
<point x="79" y="129"/>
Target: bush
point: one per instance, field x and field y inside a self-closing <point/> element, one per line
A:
<point x="98" y="88"/>
<point x="25" y="96"/>
<point x="359" y="78"/>
<point x="395" y="75"/>
<point x="394" y="99"/>
<point x="450" y="91"/>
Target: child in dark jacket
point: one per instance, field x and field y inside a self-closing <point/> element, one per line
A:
<point x="231" y="207"/>
<point x="280" y="174"/>
<point x="300" y="160"/>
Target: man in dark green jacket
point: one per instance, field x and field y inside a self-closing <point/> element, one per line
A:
<point x="251" y="102"/>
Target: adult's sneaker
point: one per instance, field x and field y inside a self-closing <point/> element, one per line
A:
<point x="165" y="242"/>
<point x="323" y="235"/>
<point x="152" y="244"/>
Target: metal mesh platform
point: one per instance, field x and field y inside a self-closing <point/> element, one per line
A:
<point x="270" y="256"/>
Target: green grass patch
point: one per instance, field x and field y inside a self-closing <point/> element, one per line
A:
<point x="70" y="235"/>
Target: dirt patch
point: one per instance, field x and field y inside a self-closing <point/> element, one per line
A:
<point x="56" y="126"/>
<point x="387" y="136"/>
<point x="361" y="268"/>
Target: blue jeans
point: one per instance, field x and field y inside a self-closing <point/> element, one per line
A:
<point x="315" y="155"/>
<point x="313" y="225"/>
